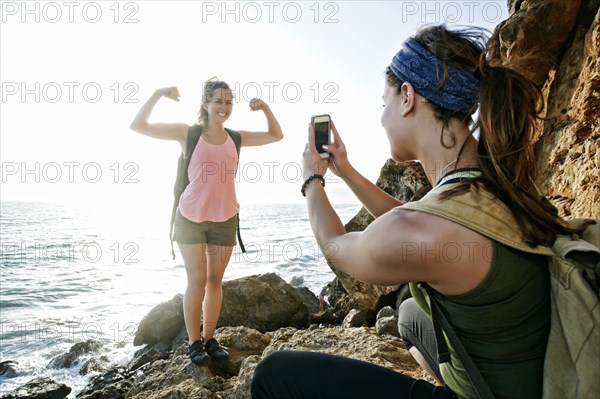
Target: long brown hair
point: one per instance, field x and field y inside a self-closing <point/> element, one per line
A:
<point x="208" y="91"/>
<point x="510" y="106"/>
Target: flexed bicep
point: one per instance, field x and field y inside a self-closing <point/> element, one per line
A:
<point x="163" y="131"/>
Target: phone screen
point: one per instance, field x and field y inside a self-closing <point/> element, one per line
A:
<point x="321" y="135"/>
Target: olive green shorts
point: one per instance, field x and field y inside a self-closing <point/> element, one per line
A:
<point x="217" y="233"/>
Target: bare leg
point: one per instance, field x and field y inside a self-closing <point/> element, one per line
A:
<point x="423" y="363"/>
<point x="218" y="259"/>
<point x="194" y="259"/>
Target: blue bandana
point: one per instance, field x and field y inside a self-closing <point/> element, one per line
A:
<point x="418" y="66"/>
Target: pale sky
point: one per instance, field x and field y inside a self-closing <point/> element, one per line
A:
<point x="75" y="73"/>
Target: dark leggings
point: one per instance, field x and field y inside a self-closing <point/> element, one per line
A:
<point x="312" y="375"/>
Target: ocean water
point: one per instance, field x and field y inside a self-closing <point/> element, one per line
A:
<point x="71" y="272"/>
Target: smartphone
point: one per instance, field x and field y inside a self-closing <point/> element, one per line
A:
<point x="322" y="126"/>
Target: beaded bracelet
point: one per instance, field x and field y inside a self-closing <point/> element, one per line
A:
<point x="313" y="177"/>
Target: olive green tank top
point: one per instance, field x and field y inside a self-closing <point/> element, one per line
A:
<point x="503" y="323"/>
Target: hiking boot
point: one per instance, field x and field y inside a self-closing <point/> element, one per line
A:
<point x="197" y="354"/>
<point x="216" y="351"/>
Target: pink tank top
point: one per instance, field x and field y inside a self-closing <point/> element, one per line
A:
<point x="210" y="196"/>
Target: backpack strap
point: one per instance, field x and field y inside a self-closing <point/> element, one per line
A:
<point x="440" y="322"/>
<point x="478" y="210"/>
<point x="183" y="179"/>
<point x="237" y="140"/>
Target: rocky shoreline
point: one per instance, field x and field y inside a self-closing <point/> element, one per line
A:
<point x="263" y="314"/>
<point x="260" y="314"/>
<point x="359" y="320"/>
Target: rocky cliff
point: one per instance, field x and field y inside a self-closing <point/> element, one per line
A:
<point x="564" y="37"/>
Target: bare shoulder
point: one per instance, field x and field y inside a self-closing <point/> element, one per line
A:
<point x="451" y="257"/>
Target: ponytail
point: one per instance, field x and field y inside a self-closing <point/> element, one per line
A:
<point x="509" y="110"/>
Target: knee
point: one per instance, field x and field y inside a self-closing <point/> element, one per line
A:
<point x="264" y="371"/>
<point x="269" y="365"/>
<point x="406" y="318"/>
<point x="196" y="282"/>
<point x="269" y="371"/>
<point x="214" y="282"/>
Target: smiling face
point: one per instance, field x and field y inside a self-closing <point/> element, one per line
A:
<point x="219" y="106"/>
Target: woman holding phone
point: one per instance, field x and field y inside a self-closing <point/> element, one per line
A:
<point x="206" y="221"/>
<point x="499" y="304"/>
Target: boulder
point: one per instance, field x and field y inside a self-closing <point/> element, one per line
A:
<point x="7" y="370"/>
<point x="71" y="358"/>
<point x="147" y="354"/>
<point x="162" y="323"/>
<point x="112" y="384"/>
<point x="40" y="388"/>
<point x="94" y="365"/>
<point x="357" y="318"/>
<point x="264" y="303"/>
<point x="387" y="322"/>
<point x="309" y="299"/>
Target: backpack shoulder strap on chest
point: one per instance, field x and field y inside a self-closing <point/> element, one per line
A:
<point x="237" y="139"/>
<point x="182" y="180"/>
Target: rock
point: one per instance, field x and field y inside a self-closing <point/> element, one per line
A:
<point x="326" y="291"/>
<point x="240" y="342"/>
<point x="112" y="384"/>
<point x="387" y="322"/>
<point x="264" y="303"/>
<point x="358" y="343"/>
<point x="309" y="299"/>
<point x="7" y="370"/>
<point x="162" y="323"/>
<point x="386" y="312"/>
<point x="357" y="318"/>
<point x="94" y="365"/>
<point x="239" y="387"/>
<point x="297" y="281"/>
<point x="537" y="28"/>
<point x="175" y="376"/>
<point x="147" y="354"/>
<point x="70" y="358"/>
<point x="40" y="388"/>
<point x="180" y="339"/>
<point x="565" y="36"/>
<point x="569" y="141"/>
<point x="325" y="317"/>
<point x="405" y="181"/>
